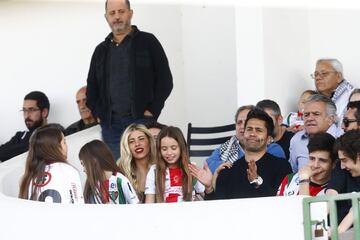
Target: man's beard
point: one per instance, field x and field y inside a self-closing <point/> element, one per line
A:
<point x="255" y="147"/>
<point x="34" y="124"/>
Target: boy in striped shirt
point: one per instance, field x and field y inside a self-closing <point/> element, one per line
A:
<point x="313" y="178"/>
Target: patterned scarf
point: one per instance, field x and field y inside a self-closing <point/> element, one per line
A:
<point x="229" y="151"/>
<point x="343" y="86"/>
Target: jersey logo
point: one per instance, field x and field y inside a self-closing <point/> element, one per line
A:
<point x="114" y="195"/>
<point x="42" y="179"/>
<point x="50" y="195"/>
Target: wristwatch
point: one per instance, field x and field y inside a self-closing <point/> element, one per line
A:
<point x="257" y="181"/>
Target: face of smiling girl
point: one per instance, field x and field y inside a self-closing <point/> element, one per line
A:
<point x="170" y="151"/>
<point x="139" y="145"/>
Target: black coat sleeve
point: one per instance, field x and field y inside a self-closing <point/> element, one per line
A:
<point x="92" y="88"/>
<point x="222" y="182"/>
<point x="163" y="78"/>
<point x="18" y="144"/>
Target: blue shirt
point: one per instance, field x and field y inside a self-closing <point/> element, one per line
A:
<point x="214" y="161"/>
<point x="299" y="153"/>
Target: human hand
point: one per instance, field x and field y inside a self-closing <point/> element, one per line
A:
<point x="222" y="166"/>
<point x="295" y="128"/>
<point x="252" y="171"/>
<point x="305" y="172"/>
<point x="218" y="170"/>
<point x="204" y="174"/>
<point x="147" y="113"/>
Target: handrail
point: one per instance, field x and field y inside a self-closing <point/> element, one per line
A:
<point x="331" y="200"/>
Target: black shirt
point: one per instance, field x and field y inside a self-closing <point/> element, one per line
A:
<point x="119" y="78"/>
<point x="78" y="126"/>
<point x="284" y="142"/>
<point x="342" y="182"/>
<point x="17" y="145"/>
<point x="233" y="183"/>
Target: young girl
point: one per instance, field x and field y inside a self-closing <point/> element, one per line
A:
<point x="170" y="180"/>
<point x="294" y="120"/>
<point x="104" y="183"/>
<point x="138" y="153"/>
<point x="48" y="177"/>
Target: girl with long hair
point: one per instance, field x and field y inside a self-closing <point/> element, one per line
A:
<point x="104" y="183"/>
<point x="138" y="153"/>
<point x="170" y="179"/>
<point x="48" y="177"/>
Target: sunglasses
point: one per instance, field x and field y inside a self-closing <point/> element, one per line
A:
<point x="347" y="121"/>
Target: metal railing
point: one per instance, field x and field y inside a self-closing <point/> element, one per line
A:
<point x="331" y="200"/>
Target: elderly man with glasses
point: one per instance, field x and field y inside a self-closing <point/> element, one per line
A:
<point x="35" y="110"/>
<point x="329" y="81"/>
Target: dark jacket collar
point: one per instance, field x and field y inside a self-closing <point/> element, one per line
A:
<point x="133" y="33"/>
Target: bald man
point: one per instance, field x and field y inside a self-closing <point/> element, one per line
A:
<point x="129" y="77"/>
<point x="87" y="120"/>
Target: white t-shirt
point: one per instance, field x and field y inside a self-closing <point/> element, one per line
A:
<point x="120" y="190"/>
<point x="59" y="183"/>
<point x="173" y="184"/>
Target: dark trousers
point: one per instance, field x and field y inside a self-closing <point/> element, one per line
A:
<point x="112" y="135"/>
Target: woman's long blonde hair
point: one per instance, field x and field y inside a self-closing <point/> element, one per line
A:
<point x="127" y="163"/>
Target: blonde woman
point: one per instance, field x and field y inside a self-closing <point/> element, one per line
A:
<point x="138" y="153"/>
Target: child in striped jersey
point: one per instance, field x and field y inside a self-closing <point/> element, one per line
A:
<point x="312" y="179"/>
<point x="105" y="183"/>
<point x="170" y="179"/>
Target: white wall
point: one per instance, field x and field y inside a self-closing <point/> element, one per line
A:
<point x="209" y="52"/>
<point x="47" y="46"/>
<point x="221" y="56"/>
<point x="333" y="33"/>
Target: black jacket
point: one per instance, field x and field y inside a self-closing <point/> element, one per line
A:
<point x="18" y="144"/>
<point x="233" y="183"/>
<point x="150" y="77"/>
<point x="78" y="126"/>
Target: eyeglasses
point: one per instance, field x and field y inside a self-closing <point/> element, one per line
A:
<point x="321" y="74"/>
<point x="347" y="121"/>
<point x="29" y="110"/>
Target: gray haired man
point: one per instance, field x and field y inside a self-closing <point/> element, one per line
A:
<point x="329" y="81"/>
<point x="319" y="116"/>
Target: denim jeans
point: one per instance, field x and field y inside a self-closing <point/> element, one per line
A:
<point x="112" y="135"/>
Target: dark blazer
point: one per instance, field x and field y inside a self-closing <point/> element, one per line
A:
<point x="150" y="77"/>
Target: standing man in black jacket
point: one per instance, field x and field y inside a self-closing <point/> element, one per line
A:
<point x="129" y="77"/>
<point x="36" y="110"/>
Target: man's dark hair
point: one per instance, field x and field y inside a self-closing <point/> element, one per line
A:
<point x="155" y="124"/>
<point x="242" y="108"/>
<point x="349" y="143"/>
<point x="257" y="113"/>
<point x="355" y="105"/>
<point x="322" y="142"/>
<point x="269" y="104"/>
<point x="126" y="1"/>
<point x="41" y="99"/>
